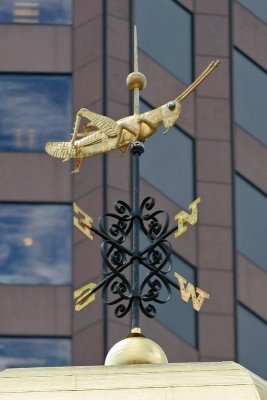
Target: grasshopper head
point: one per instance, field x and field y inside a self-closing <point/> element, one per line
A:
<point x="170" y="113"/>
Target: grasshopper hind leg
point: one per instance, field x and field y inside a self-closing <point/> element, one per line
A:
<point x="77" y="166"/>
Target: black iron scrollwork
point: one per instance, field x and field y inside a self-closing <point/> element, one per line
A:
<point x="154" y="260"/>
<point x="155" y="223"/>
<point x="120" y="224"/>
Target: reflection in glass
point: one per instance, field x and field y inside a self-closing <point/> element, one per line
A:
<point x="165" y="34"/>
<point x="34" y="109"/>
<point x="176" y="315"/>
<point x="29" y="352"/>
<point x="257" y="7"/>
<point x="251" y="222"/>
<point x="168" y="164"/>
<point x="35" y="245"/>
<point x="252" y="342"/>
<point x="250" y="97"/>
<point x="36" y="11"/>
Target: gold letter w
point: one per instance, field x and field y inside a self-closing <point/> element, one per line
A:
<point x="183" y="217"/>
<point x="190" y="291"/>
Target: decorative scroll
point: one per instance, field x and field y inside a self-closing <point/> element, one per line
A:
<point x="155" y="259"/>
<point x="119" y="225"/>
<point x="156" y="287"/>
<point x="182" y="217"/>
<point x="153" y="224"/>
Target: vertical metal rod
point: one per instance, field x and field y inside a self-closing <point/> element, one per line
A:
<point x="136" y="150"/>
<point x="136" y="90"/>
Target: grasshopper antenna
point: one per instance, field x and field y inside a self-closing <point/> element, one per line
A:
<point x="198" y="81"/>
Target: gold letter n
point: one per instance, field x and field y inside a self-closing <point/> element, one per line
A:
<point x="183" y="217"/>
<point x="189" y="291"/>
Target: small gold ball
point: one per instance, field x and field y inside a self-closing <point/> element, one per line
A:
<point x="136" y="349"/>
<point x="136" y="80"/>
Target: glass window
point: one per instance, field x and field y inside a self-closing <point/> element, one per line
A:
<point x="35" y="245"/>
<point x="34" y="109"/>
<point x="250" y="97"/>
<point x="177" y="315"/>
<point x="29" y="352"/>
<point x="251" y="222"/>
<point x="36" y="12"/>
<point x="257" y="7"/>
<point x="252" y="342"/>
<point x="168" y="164"/>
<point x="171" y="46"/>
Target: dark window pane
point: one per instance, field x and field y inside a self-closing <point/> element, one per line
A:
<point x="252" y="342"/>
<point x="257" y="7"/>
<point x="36" y="11"/>
<point x="176" y="315"/>
<point x="168" y="164"/>
<point x="165" y="33"/>
<point x="251" y="222"/>
<point x="19" y="353"/>
<point x="34" y="109"/>
<point x="35" y="244"/>
<point x="250" y="97"/>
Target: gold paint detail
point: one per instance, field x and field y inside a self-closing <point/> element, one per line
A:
<point x="82" y="221"/>
<point x="84" y="296"/>
<point x="198" y="295"/>
<point x="136" y="329"/>
<point x="108" y="134"/>
<point x="182" y="217"/>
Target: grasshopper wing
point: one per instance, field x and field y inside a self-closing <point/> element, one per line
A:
<point x="105" y="124"/>
<point x="58" y="149"/>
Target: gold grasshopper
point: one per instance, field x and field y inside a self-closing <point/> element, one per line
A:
<point x="103" y="134"/>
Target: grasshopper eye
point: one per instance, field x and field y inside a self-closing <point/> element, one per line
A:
<point x="171" y="105"/>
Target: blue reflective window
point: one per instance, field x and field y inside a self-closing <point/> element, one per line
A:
<point x="35" y="246"/>
<point x="165" y="34"/>
<point x="29" y="352"/>
<point x="34" y="109"/>
<point x="176" y="315"/>
<point x="251" y="222"/>
<point x="252" y="342"/>
<point x="257" y="7"/>
<point x="36" y="11"/>
<point x="168" y="164"/>
<point x="250" y="97"/>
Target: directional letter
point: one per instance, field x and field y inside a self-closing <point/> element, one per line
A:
<point x="190" y="291"/>
<point x="183" y="217"/>
<point x="82" y="221"/>
<point x="84" y="296"/>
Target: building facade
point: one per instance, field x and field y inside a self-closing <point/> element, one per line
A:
<point x="57" y="57"/>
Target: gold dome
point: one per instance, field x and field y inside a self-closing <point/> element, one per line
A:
<point x="136" y="349"/>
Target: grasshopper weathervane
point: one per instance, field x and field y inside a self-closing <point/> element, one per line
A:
<point x="102" y="134"/>
<point x="99" y="135"/>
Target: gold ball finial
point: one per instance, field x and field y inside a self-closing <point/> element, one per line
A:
<point x="136" y="349"/>
<point x="136" y="80"/>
